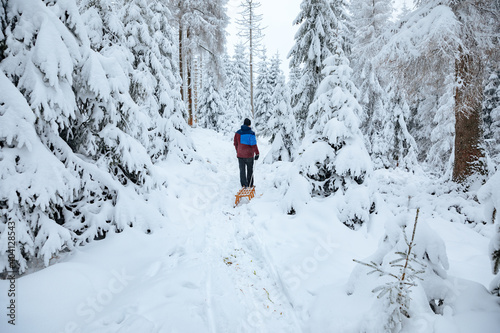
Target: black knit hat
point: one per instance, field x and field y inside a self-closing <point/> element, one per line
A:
<point x="247" y="122"/>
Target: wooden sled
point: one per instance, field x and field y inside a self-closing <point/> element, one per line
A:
<point x="248" y="192"/>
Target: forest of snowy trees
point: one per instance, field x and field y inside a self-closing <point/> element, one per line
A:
<point x="96" y="94"/>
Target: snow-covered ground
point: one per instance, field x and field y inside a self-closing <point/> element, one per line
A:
<point x="253" y="268"/>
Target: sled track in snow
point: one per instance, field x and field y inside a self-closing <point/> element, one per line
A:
<point x="233" y="241"/>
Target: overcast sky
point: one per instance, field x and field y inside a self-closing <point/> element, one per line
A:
<point x="277" y="19"/>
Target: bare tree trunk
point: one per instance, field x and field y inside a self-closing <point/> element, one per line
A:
<point x="181" y="63"/>
<point x="252" y="33"/>
<point x="185" y="74"/>
<point x="190" y="95"/>
<point x="468" y="107"/>
<point x="195" y="89"/>
<point x="197" y="86"/>
<point x="189" y="85"/>
<point x="251" y="74"/>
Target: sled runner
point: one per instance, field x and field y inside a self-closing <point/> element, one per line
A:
<point x="248" y="192"/>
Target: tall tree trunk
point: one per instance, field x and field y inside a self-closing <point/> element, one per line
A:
<point x="189" y="85"/>
<point x="181" y="62"/>
<point x="185" y="74"/>
<point x="189" y="101"/>
<point x="197" y="85"/>
<point x="251" y="74"/>
<point x="468" y="107"/>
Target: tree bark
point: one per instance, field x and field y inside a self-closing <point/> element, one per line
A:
<point x="251" y="74"/>
<point x="185" y="74"/>
<point x="469" y="155"/>
<point x="189" y="103"/>
<point x="181" y="64"/>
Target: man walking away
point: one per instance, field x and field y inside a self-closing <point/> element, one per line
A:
<point x="246" y="147"/>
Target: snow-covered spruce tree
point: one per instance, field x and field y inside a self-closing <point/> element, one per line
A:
<point x="282" y="124"/>
<point x="121" y="132"/>
<point x="273" y="79"/>
<point x="263" y="93"/>
<point x="395" y="295"/>
<point x="32" y="201"/>
<point x="491" y="116"/>
<point x="275" y="71"/>
<point x="230" y="120"/>
<point x="411" y="258"/>
<point x="404" y="149"/>
<point x="45" y="69"/>
<point x="460" y="32"/>
<point x="293" y="78"/>
<point x="439" y="153"/>
<point x="104" y="27"/>
<point x="110" y="124"/>
<point x="432" y="122"/>
<point x="392" y="145"/>
<point x="320" y="23"/>
<point x="171" y="127"/>
<point x="41" y="56"/>
<point x="154" y="81"/>
<point x="489" y="196"/>
<point x="4" y="22"/>
<point x="334" y="157"/>
<point x="212" y="105"/>
<point x="79" y="104"/>
<point x="370" y="20"/>
<point x="238" y="87"/>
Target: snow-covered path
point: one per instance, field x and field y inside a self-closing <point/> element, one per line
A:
<point x="236" y="252"/>
<point x="206" y="271"/>
<point x="252" y="268"/>
<point x="243" y="291"/>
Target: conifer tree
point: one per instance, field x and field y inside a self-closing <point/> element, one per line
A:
<point x="489" y="196"/>
<point x="275" y="71"/>
<point x="103" y="86"/>
<point x="293" y="78"/>
<point x="263" y="93"/>
<point x="154" y="78"/>
<point x="370" y="20"/>
<point x="281" y="123"/>
<point x="491" y="116"/>
<point x="30" y="206"/>
<point x="458" y="40"/>
<point x="404" y="149"/>
<point x="68" y="111"/>
<point x="238" y="87"/>
<point x="440" y="134"/>
<point x="273" y="80"/>
<point x="391" y="143"/>
<point x="229" y="120"/>
<point x="212" y="105"/>
<point x="4" y="23"/>
<point x="409" y="257"/>
<point x="334" y="157"/>
<point x="321" y="21"/>
<point x="41" y="109"/>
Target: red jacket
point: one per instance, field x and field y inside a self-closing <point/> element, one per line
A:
<point x="245" y="143"/>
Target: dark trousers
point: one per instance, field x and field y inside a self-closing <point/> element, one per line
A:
<point x="246" y="171"/>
